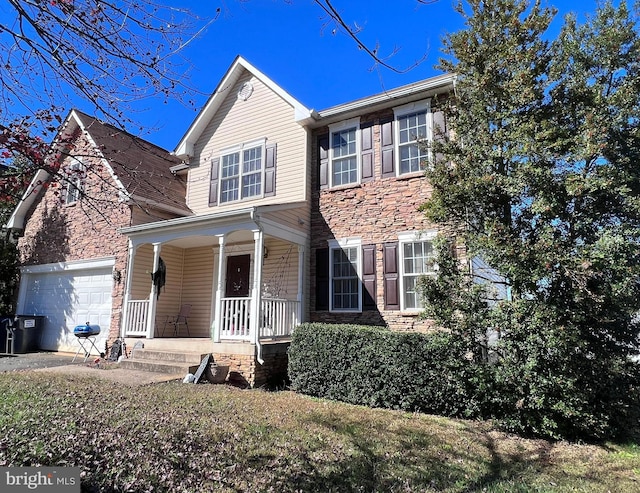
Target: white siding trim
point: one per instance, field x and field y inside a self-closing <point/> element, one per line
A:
<point x="69" y="266"/>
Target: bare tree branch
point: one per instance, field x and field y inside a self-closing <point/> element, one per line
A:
<point x="339" y="24"/>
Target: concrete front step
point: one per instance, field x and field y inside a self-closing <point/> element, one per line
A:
<point x="167" y="356"/>
<point x="170" y="362"/>
<point x="159" y="367"/>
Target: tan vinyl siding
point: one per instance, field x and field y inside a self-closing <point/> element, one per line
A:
<point x="297" y="219"/>
<point x="142" y="267"/>
<point x="198" y="289"/>
<point x="169" y="301"/>
<point x="280" y="270"/>
<point x="263" y="115"/>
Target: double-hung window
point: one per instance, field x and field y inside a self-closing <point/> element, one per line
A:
<point x="241" y="173"/>
<point x="75" y="174"/>
<point x="414" y="130"/>
<point x="344" y="271"/>
<point x="417" y="260"/>
<point x="344" y="167"/>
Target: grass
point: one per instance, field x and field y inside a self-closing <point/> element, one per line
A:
<point x="198" y="438"/>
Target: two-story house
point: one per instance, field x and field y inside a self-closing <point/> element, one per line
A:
<point x="288" y="215"/>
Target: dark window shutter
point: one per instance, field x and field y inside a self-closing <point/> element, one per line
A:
<point x="270" y="171"/>
<point x="323" y="161"/>
<point x="391" y="278"/>
<point x="440" y="131"/>
<point x="386" y="141"/>
<point x="322" y="279"/>
<point x="369" y="277"/>
<point x="366" y="156"/>
<point x="213" y="184"/>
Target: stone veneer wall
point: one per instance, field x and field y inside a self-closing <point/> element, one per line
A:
<point x="375" y="211"/>
<point x="244" y="369"/>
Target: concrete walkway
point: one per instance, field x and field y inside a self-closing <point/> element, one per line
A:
<point x="61" y="363"/>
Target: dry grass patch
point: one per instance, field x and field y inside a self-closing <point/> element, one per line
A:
<point x="177" y="437"/>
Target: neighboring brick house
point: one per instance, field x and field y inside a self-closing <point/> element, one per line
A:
<point x="72" y="255"/>
<point x="271" y="214"/>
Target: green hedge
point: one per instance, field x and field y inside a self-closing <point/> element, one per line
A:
<point x="376" y="367"/>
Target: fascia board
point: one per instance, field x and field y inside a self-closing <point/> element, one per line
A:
<point x="188" y="221"/>
<point x="393" y="97"/>
<point x="16" y="221"/>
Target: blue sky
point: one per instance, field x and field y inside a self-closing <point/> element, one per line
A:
<point x="291" y="42"/>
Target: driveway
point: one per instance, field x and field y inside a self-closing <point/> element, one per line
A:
<point x="61" y="363"/>
<point x="33" y="361"/>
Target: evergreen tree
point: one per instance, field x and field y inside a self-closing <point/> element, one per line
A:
<point x="544" y="186"/>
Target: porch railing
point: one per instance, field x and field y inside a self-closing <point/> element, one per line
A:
<point x="279" y="317"/>
<point x="136" y="317"/>
<point x="235" y="318"/>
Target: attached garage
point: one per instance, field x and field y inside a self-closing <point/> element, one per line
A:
<point x="68" y="294"/>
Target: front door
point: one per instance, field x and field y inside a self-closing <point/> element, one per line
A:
<point x="237" y="276"/>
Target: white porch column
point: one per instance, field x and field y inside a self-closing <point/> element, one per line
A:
<point x="258" y="239"/>
<point x="124" y="320"/>
<point x="222" y="277"/>
<point x="153" y="296"/>
<point x="301" y="251"/>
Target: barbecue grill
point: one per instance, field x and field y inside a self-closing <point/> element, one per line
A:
<point x="86" y="335"/>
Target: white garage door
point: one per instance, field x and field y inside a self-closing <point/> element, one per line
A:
<point x="68" y="298"/>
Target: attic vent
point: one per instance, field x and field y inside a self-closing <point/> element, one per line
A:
<point x="245" y="91"/>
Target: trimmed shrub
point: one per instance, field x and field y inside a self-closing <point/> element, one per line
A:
<point x="376" y="367"/>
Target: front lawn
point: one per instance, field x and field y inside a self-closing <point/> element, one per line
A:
<point x="197" y="438"/>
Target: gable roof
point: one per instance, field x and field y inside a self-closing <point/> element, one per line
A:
<point x="140" y="169"/>
<point x="184" y="148"/>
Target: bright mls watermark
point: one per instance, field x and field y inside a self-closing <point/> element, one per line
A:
<point x="48" y="479"/>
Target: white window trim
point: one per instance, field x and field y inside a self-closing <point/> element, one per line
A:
<point x="410" y="237"/>
<point x="338" y="127"/>
<point x="239" y="148"/>
<point x="399" y="112"/>
<point x="343" y="244"/>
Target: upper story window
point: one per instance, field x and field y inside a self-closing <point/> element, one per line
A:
<point x="343" y="153"/>
<point x="241" y="176"/>
<point x="413" y="130"/>
<point x="417" y="258"/>
<point x="74" y="181"/>
<point x="344" y="271"/>
<point x="243" y="172"/>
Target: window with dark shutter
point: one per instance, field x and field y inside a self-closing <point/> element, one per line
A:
<point x="322" y="279"/>
<point x="213" y="183"/>
<point x="366" y="155"/>
<point x="369" y="277"/>
<point x="270" y="171"/>
<point x="391" y="278"/>
<point x="323" y="161"/>
<point x="387" y="148"/>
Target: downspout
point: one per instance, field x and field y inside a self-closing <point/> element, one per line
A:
<point x="258" y="237"/>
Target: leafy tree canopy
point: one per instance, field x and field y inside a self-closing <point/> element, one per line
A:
<point x="545" y="187"/>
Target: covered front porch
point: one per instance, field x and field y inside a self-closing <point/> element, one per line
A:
<point x="241" y="274"/>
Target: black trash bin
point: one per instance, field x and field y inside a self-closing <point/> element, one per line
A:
<point x="27" y="333"/>
<point x="6" y="321"/>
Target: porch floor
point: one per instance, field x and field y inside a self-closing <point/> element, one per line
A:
<point x="200" y="345"/>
